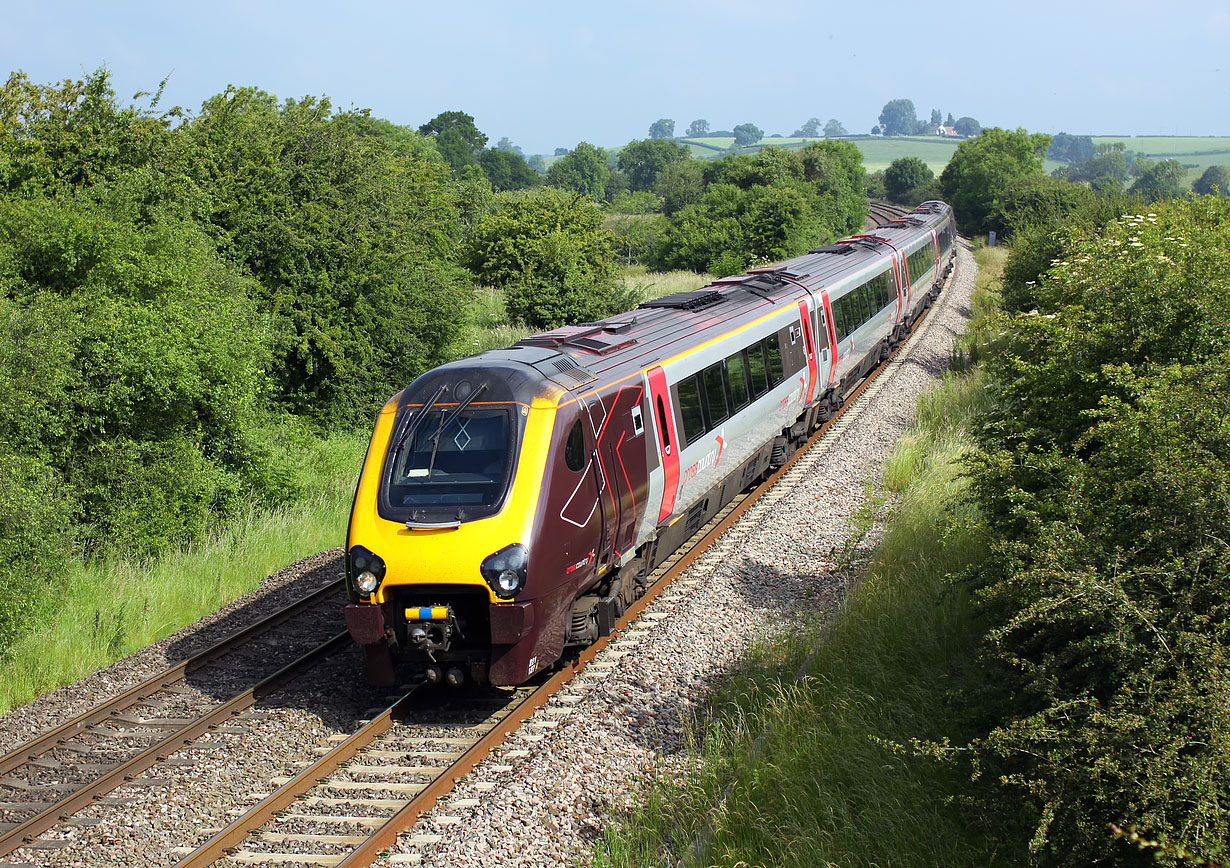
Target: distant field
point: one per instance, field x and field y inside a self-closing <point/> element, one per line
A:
<point x="878" y="152"/>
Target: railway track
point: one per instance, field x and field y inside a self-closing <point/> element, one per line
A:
<point x="882" y="213"/>
<point x="353" y="802"/>
<point x="51" y="777"/>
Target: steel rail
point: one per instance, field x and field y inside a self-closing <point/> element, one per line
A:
<point x="48" y="740"/>
<point x="46" y="819"/>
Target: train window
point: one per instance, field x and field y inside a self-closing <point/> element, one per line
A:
<point x="574" y="448"/>
<point x="465" y="464"/>
<point x="864" y="299"/>
<point x="839" y="319"/>
<point x="883" y="296"/>
<point x="773" y="352"/>
<point x="715" y="394"/>
<point x="736" y="375"/>
<point x="666" y="437"/>
<point x="756" y="370"/>
<point x="690" y="413"/>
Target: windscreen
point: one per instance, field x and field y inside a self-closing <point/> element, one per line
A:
<point x="452" y="462"/>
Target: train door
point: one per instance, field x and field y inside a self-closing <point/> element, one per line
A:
<point x="598" y="418"/>
<point x="831" y="334"/>
<point x="621" y="451"/>
<point x="810" y="347"/>
<point x="668" y="441"/>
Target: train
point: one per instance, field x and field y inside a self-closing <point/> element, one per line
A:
<point x="514" y="503"/>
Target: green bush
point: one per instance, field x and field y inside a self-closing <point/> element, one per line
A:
<point x="549" y="251"/>
<point x="904" y="175"/>
<point x="981" y="169"/>
<point x="1104" y="474"/>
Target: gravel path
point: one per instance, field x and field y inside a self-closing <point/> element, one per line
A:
<point x="542" y="798"/>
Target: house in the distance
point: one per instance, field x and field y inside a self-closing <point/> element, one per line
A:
<point x="941" y="130"/>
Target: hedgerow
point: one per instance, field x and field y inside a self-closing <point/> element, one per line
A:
<point x="1103" y="471"/>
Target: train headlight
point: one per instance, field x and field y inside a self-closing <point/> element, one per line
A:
<point x="366" y="570"/>
<point x="366" y="582"/>
<point x="505" y="571"/>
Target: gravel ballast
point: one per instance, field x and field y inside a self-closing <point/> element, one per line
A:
<point x="544" y="796"/>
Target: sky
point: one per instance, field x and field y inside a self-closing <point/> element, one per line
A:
<point x="550" y="74"/>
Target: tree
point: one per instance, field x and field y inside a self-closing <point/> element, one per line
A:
<point x="559" y="152"/>
<point x="967" y="127"/>
<point x="1070" y="149"/>
<point x="662" y="128"/>
<point x="507" y="169"/>
<point x="1163" y="181"/>
<point x="350" y="240"/>
<point x="982" y="167"/>
<point x="809" y="130"/>
<point x="936" y="117"/>
<point x="456" y="137"/>
<point x="898" y="118"/>
<point x="948" y="122"/>
<point x="582" y="170"/>
<point x="680" y="184"/>
<point x="549" y="252"/>
<point x="833" y="129"/>
<point x="698" y="128"/>
<point x="905" y="174"/>
<point x="506" y="145"/>
<point x="875" y="131"/>
<point x="1214" y="181"/>
<point x="747" y="134"/>
<point x="643" y="161"/>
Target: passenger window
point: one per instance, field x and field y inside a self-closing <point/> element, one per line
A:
<point x="574" y="448"/>
<point x="715" y="394"/>
<point x="773" y="352"/>
<point x="689" y="409"/>
<point x="756" y="369"/>
<point x="736" y="373"/>
<point x="666" y="437"/>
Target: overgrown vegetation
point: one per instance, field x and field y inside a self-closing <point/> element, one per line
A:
<point x="1103" y="471"/>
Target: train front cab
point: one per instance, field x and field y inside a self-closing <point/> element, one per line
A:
<point x="449" y="567"/>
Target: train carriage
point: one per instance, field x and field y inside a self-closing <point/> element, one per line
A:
<point x="513" y="503"/>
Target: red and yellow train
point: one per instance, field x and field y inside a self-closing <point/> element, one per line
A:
<point x="513" y="503"/>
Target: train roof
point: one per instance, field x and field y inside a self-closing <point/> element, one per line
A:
<point x="659" y="329"/>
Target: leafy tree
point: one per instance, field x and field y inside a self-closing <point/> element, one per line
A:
<point x="747" y="134"/>
<point x="662" y="128"/>
<point x="643" y="161"/>
<point x="903" y="175"/>
<point x="936" y="117"/>
<point x="74" y="135"/>
<point x="967" y="126"/>
<point x="1214" y="181"/>
<point x="538" y="164"/>
<point x="549" y="252"/>
<point x="898" y="118"/>
<point x="505" y="144"/>
<point x="948" y="122"/>
<point x="1070" y="149"/>
<point x="833" y="129"/>
<point x="698" y="128"/>
<point x="981" y="169"/>
<point x="1165" y="180"/>
<point x="680" y="184"/>
<point x="350" y="242"/>
<point x="559" y="152"/>
<point x="582" y="170"/>
<point x="456" y="137"/>
<point x="809" y="130"/>
<point x="876" y="131"/>
<point x="507" y="169"/>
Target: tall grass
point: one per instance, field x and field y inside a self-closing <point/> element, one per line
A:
<point x="101" y="610"/>
<point x="810" y="754"/>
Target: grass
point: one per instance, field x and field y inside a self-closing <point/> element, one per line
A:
<point x="813" y="753"/>
<point x="104" y="609"/>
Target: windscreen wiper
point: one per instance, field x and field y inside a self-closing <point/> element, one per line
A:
<point x="412" y="424"/>
<point x="448" y="420"/>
